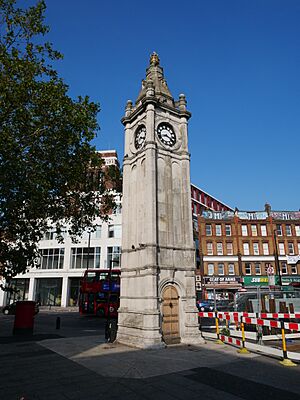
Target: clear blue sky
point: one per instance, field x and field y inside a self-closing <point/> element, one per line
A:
<point x="237" y="61"/>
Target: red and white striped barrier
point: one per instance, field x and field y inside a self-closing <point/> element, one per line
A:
<point x="231" y="340"/>
<point x="207" y="314"/>
<point x="262" y="322"/>
<point x="251" y="318"/>
<point x="272" y="324"/>
<point x="235" y="315"/>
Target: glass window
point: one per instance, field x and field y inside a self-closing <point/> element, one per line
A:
<point x="279" y="230"/>
<point x="231" y="269"/>
<point x="210" y="269"/>
<point x="244" y="230"/>
<point x="253" y="230"/>
<point x="218" y="230"/>
<point x="284" y="270"/>
<point x="229" y="248"/>
<point x="50" y="234"/>
<point x="297" y="229"/>
<point x="85" y="257"/>
<point x="97" y="232"/>
<point x="263" y="229"/>
<point x="294" y="269"/>
<point x="195" y="208"/>
<point x="219" y="249"/>
<point x="228" y="230"/>
<point x="281" y="249"/>
<point x="248" y="268"/>
<point x="255" y="249"/>
<point x="288" y="230"/>
<point x="298" y="248"/>
<point x="291" y="248"/>
<point x="114" y="231"/>
<point x="114" y="257"/>
<point x="246" y="249"/>
<point x="48" y="291"/>
<point x="208" y="229"/>
<point x="266" y="248"/>
<point x="220" y="269"/>
<point x="52" y="258"/>
<point x="209" y="246"/>
<point x="257" y="269"/>
<point x="118" y="209"/>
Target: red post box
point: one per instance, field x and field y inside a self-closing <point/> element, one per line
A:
<point x="24" y="318"/>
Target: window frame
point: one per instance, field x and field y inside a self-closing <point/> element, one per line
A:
<point x="244" y="229"/>
<point x="208" y="232"/>
<point x="231" y="271"/>
<point x="257" y="267"/>
<point x="263" y="230"/>
<point x="220" y="250"/>
<point x="218" y="228"/>
<point x="229" y="252"/>
<point x="266" y="249"/>
<point x="213" y="269"/>
<point x="223" y="269"/>
<point x="291" y="249"/>
<point x="253" y="230"/>
<point x="256" y="248"/>
<point x="248" y="265"/>
<point x="227" y="229"/>
<point x="209" y="244"/>
<point x="246" y="248"/>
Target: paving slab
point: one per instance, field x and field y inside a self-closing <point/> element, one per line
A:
<point x="117" y="360"/>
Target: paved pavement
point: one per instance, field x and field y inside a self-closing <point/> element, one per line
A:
<point x="84" y="367"/>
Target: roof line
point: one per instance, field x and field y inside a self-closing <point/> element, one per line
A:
<point x="212" y="196"/>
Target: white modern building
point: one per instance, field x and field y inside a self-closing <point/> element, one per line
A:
<point x="56" y="280"/>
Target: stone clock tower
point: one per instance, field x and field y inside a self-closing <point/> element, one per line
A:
<point x="157" y="304"/>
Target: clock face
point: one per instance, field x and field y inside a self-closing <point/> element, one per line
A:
<point x="140" y="137"/>
<point x="166" y="134"/>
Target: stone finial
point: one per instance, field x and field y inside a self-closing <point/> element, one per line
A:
<point x="154" y="59"/>
<point x="182" y="102"/>
<point x="128" y="108"/>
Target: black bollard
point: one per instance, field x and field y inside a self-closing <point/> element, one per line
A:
<point x="57" y="322"/>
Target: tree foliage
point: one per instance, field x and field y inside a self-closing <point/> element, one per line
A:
<point x="45" y="151"/>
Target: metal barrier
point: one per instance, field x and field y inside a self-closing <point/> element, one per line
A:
<point x="258" y="320"/>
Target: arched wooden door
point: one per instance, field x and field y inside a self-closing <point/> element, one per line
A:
<point x="170" y="316"/>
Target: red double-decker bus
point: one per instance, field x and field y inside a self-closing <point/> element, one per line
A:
<point x="100" y="292"/>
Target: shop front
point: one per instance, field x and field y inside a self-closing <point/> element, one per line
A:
<point x="291" y="281"/>
<point x="48" y="291"/>
<point x="252" y="282"/>
<point x="221" y="287"/>
<point x="19" y="290"/>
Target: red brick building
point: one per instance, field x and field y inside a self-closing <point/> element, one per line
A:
<point x="238" y="249"/>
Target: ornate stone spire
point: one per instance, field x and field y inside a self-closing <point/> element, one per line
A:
<point x="155" y="73"/>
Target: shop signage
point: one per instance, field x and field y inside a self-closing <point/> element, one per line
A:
<point x="218" y="215"/>
<point x="217" y="280"/>
<point x="292" y="259"/>
<point x="290" y="279"/>
<point x="285" y="215"/>
<point x="252" y="215"/>
<point x="259" y="280"/>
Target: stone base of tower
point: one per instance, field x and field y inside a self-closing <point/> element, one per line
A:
<point x="139" y="330"/>
<point x="191" y="333"/>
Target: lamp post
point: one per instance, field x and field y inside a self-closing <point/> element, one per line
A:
<point x="108" y="324"/>
<point x="276" y="258"/>
<point x="88" y="250"/>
